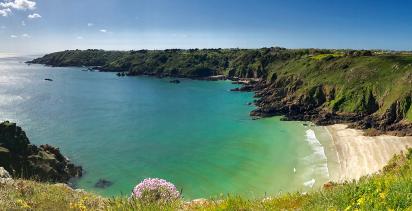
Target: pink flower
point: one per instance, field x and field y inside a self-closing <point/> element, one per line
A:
<point x="154" y="189"/>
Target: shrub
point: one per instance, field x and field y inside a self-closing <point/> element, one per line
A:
<point x="155" y="190"/>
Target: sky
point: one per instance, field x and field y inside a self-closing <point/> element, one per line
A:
<point x="42" y="26"/>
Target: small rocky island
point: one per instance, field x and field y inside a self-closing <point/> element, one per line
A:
<point x="23" y="159"/>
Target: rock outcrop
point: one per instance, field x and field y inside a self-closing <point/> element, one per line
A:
<point x="281" y="98"/>
<point x="25" y="160"/>
<point x="5" y="176"/>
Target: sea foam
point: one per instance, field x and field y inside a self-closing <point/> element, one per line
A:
<point x="310" y="183"/>
<point x="319" y="152"/>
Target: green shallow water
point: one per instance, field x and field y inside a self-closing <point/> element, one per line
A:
<point x="196" y="134"/>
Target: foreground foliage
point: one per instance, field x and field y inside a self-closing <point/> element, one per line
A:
<point x="389" y="190"/>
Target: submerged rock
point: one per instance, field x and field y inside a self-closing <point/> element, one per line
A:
<point x="102" y="183"/>
<point x="121" y="74"/>
<point x="175" y="81"/>
<point x="22" y="159"/>
<point x="245" y="88"/>
<point x="48" y="79"/>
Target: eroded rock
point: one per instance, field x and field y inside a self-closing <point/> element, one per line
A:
<point x="24" y="160"/>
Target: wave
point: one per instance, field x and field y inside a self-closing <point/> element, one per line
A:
<point x="309" y="183"/>
<point x="319" y="152"/>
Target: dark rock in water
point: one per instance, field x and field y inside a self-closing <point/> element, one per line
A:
<point x="175" y="81"/>
<point x="102" y="183"/>
<point x="245" y="88"/>
<point x="22" y="159"/>
<point x="249" y="103"/>
<point x="48" y="79"/>
<point x="121" y="74"/>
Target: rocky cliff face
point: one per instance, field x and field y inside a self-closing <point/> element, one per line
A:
<point x="282" y="97"/>
<point x="22" y="159"/>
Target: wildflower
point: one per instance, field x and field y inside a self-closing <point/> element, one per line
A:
<point x="154" y="189"/>
<point x="23" y="204"/>
<point x="348" y="208"/>
<point x="361" y="201"/>
<point x="78" y="206"/>
<point x="382" y="195"/>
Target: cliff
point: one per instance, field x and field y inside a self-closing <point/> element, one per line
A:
<point x="24" y="160"/>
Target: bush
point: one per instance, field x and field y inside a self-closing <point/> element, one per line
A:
<point x="155" y="190"/>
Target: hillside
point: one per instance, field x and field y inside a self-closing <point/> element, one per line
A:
<point x="372" y="90"/>
<point x="389" y="190"/>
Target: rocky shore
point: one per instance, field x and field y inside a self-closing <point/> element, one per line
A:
<point x="280" y="99"/>
<point x="25" y="160"/>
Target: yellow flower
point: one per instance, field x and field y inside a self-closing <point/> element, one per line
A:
<point x="361" y="201"/>
<point x="78" y="206"/>
<point x="382" y="195"/>
<point x="23" y="204"/>
<point x="348" y="208"/>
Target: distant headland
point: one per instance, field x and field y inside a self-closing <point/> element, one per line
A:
<point x="370" y="90"/>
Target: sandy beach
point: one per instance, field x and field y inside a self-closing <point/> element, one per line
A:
<point x="360" y="155"/>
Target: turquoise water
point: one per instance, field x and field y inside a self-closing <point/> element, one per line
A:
<point x="196" y="134"/>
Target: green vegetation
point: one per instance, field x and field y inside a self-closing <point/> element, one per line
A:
<point x="347" y="81"/>
<point x="327" y="56"/>
<point x="389" y="190"/>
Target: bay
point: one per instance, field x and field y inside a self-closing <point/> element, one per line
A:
<point x="196" y="134"/>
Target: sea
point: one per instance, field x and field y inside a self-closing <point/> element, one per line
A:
<point x="196" y="134"/>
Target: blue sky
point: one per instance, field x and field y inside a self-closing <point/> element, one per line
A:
<point x="40" y="26"/>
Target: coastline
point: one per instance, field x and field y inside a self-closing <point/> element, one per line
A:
<point x="359" y="155"/>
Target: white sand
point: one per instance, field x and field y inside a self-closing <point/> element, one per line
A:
<point x="360" y="155"/>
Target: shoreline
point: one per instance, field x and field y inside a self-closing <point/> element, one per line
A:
<point x="359" y="155"/>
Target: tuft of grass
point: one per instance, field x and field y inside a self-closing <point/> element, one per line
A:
<point x="409" y="115"/>
<point x="32" y="195"/>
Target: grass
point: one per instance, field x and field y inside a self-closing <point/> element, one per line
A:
<point x="409" y="115"/>
<point x="391" y="189"/>
<point x="360" y="84"/>
<point x="327" y="56"/>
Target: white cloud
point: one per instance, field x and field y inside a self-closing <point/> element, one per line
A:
<point x="23" y="23"/>
<point x="13" y="36"/>
<point x="19" y="4"/>
<point x="90" y="24"/>
<point x="5" y="12"/>
<point x="34" y="15"/>
<point x="25" y="36"/>
<point x="103" y="30"/>
<point x="79" y="37"/>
